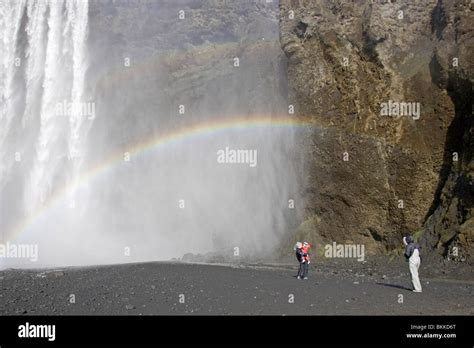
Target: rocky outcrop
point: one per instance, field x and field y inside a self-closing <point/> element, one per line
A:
<point x="372" y="177"/>
<point x="450" y="224"/>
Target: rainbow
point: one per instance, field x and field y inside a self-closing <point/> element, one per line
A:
<point x="153" y="143"/>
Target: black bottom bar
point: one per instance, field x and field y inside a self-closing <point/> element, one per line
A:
<point x="288" y="330"/>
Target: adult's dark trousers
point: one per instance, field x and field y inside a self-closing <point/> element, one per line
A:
<point x="303" y="270"/>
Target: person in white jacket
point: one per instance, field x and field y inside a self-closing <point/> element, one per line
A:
<point x="412" y="253"/>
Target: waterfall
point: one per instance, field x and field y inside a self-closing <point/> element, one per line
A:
<point x="142" y="181"/>
<point x="43" y="74"/>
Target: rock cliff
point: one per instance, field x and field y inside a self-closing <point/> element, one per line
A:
<point x="376" y="168"/>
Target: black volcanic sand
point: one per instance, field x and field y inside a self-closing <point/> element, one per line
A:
<point x="155" y="288"/>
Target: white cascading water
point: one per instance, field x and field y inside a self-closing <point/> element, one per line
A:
<point x="65" y="67"/>
<point x="44" y="62"/>
<point x="10" y="18"/>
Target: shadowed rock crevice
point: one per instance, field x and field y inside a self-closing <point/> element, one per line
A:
<point x="449" y="225"/>
<point x="438" y="20"/>
<point x="451" y="211"/>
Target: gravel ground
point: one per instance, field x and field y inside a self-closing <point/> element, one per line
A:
<point x="170" y="288"/>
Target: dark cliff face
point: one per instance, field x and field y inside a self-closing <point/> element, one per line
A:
<point x="371" y="178"/>
<point x="450" y="223"/>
